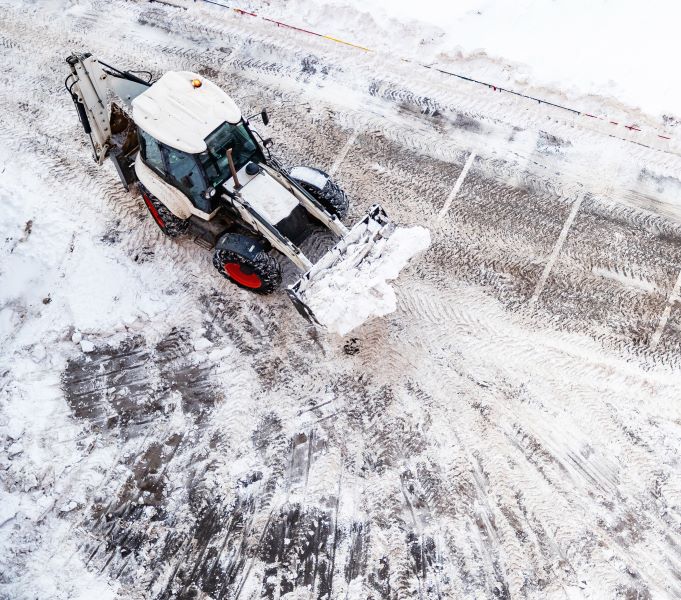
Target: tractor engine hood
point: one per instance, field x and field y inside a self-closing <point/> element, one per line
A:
<point x="264" y="194"/>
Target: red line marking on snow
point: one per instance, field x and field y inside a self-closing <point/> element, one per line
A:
<point x="280" y="24"/>
<point x="495" y="88"/>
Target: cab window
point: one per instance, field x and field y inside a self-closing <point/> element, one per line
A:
<point x="185" y="174"/>
<point x="151" y="152"/>
<point x="214" y="159"/>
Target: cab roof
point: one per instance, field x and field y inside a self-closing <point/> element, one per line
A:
<point x="180" y="115"/>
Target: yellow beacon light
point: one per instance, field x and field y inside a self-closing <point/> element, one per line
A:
<point x="196" y="83"/>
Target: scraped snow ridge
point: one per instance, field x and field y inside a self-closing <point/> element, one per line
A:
<point x="345" y="297"/>
<point x="518" y="44"/>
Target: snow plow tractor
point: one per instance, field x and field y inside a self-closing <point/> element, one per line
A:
<point x="182" y="143"/>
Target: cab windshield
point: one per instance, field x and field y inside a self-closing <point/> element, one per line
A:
<point x="214" y="159"/>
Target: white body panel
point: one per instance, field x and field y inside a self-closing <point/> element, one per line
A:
<point x="180" y="115"/>
<point x="265" y="195"/>
<point x="92" y="90"/>
<point x="92" y="86"/>
<point x="172" y="198"/>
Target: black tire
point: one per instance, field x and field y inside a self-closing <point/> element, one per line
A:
<point x="259" y="273"/>
<point x="167" y="222"/>
<point x="332" y="197"/>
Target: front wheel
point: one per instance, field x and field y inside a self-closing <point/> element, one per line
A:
<point x="257" y="272"/>
<point x="323" y="189"/>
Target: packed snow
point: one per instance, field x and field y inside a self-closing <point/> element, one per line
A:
<point x="580" y="47"/>
<point x="344" y="297"/>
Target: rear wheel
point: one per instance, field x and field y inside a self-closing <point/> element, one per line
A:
<point x="259" y="273"/>
<point x="168" y="223"/>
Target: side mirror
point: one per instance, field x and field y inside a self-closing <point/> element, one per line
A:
<point x="268" y="142"/>
<point x="265" y="117"/>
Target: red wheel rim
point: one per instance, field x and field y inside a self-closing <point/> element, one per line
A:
<point x="250" y="280"/>
<point x="153" y="211"/>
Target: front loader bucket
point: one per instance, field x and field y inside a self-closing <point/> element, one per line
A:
<point x="349" y="253"/>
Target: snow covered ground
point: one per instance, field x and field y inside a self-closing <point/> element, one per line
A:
<point x="586" y="51"/>
<point x="512" y="430"/>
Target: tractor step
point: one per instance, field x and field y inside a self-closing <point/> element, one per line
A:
<point x="204" y="243"/>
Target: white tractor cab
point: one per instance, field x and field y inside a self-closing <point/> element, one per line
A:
<point x="202" y="171"/>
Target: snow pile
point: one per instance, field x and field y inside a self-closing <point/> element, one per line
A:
<point x="583" y="47"/>
<point x="346" y="296"/>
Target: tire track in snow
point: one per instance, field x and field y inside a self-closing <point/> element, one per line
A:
<point x="552" y="452"/>
<point x="500" y="225"/>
